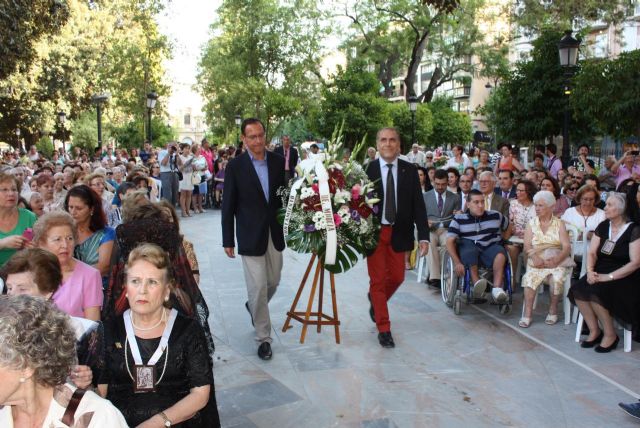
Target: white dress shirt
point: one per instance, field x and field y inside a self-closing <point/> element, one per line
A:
<point x="384" y="170"/>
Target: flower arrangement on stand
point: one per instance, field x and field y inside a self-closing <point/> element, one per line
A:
<point x="330" y="209"/>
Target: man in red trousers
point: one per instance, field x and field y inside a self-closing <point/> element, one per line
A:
<point x="401" y="206"/>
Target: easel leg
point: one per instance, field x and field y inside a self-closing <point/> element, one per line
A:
<point x="310" y="304"/>
<point x="335" y="307"/>
<point x="299" y="293"/>
<point x="321" y="293"/>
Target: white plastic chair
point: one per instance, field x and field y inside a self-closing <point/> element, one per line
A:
<point x="626" y="334"/>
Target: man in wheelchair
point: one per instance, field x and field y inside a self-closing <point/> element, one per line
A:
<point x="475" y="238"/>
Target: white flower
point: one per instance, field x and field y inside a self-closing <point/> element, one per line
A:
<point x="341" y="196"/>
<point x="306" y="192"/>
<point x="319" y="221"/>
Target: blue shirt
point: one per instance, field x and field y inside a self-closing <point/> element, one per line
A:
<point x="263" y="172"/>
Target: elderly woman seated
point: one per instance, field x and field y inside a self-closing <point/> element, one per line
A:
<point x="610" y="289"/>
<point x="547" y="246"/>
<point x="80" y="293"/>
<point x="34" y="370"/>
<point x="151" y="348"/>
<point x="36" y="272"/>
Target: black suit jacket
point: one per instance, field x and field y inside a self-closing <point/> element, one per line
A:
<point x="245" y="203"/>
<point x="410" y="207"/>
<point x="293" y="157"/>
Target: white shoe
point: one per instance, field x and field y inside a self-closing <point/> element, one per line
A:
<point x="499" y="296"/>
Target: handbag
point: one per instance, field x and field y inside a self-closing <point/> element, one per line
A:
<point x="196" y="179"/>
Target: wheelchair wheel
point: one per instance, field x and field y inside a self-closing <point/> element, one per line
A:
<point x="449" y="281"/>
<point x="456" y="305"/>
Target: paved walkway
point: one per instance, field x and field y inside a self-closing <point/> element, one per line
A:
<point x="474" y="370"/>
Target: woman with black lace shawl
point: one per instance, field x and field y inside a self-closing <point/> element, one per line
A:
<point x="148" y="223"/>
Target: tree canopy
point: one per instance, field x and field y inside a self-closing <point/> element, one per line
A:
<point x="266" y="67"/>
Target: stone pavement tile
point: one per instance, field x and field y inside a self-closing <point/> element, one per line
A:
<point x="294" y="415"/>
<point x="238" y="422"/>
<point x="378" y="423"/>
<point x="246" y="399"/>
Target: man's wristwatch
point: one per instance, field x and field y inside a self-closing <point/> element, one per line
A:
<point x="167" y="421"/>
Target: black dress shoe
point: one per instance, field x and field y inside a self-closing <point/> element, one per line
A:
<point x="603" y="350"/>
<point x="435" y="283"/>
<point x="385" y="339"/>
<point x="592" y="343"/>
<point x="371" y="313"/>
<point x="246" y="305"/>
<point x="264" y="351"/>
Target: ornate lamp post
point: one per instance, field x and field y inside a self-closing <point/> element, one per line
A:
<point x="238" y="120"/>
<point x="152" y="98"/>
<point x="413" y="106"/>
<point x="98" y="100"/>
<point x="568" y="52"/>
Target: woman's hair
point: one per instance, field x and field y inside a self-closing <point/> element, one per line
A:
<point x="36" y="335"/>
<point x="454" y="171"/>
<point x="621" y="201"/>
<point x="194" y="148"/>
<point x="153" y="254"/>
<point x="554" y="183"/>
<point x="87" y="179"/>
<point x="546" y="197"/>
<point x="90" y="198"/>
<point x="136" y="206"/>
<point x="167" y="207"/>
<point x="633" y="209"/>
<point x="622" y="187"/>
<point x="529" y="188"/>
<point x="50" y="220"/>
<point x="44" y="266"/>
<point x="42" y="179"/>
<point x="586" y="189"/>
<point x="5" y="177"/>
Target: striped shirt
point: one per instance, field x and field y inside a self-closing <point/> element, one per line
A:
<point x="484" y="231"/>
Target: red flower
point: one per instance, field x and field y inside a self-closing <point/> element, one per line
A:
<point x="312" y="203"/>
<point x="361" y="207"/>
<point x="336" y="180"/>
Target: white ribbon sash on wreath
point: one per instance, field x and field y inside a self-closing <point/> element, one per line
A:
<point x="133" y="344"/>
<point x="322" y="175"/>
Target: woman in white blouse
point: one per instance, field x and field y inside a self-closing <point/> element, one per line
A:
<point x="585" y="216"/>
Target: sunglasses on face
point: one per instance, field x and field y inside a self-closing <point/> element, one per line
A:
<point x="573" y="189"/>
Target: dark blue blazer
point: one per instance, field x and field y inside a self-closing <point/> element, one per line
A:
<point x="293" y="157"/>
<point x="410" y="205"/>
<point x="512" y="192"/>
<point x="245" y="209"/>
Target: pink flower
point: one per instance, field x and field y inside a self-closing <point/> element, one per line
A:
<point x="315" y="187"/>
<point x="337" y="219"/>
<point x="355" y="192"/>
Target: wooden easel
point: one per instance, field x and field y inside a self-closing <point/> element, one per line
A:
<point x="317" y="318"/>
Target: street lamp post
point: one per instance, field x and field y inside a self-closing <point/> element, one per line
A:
<point x="413" y="106"/>
<point x="99" y="100"/>
<point x="62" y="118"/>
<point x="238" y="120"/>
<point x="568" y="52"/>
<point x="152" y="98"/>
<point x="490" y="88"/>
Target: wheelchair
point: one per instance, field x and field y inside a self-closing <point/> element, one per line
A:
<point x="455" y="288"/>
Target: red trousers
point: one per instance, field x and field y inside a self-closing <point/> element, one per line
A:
<point x="386" y="273"/>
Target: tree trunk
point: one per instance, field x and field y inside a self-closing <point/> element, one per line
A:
<point x="414" y="63"/>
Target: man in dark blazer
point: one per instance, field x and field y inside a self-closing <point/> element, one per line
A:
<point x="441" y="205"/>
<point x="290" y="155"/>
<point x="492" y="200"/>
<point x="400" y="207"/>
<point x="505" y="188"/>
<point x="250" y="201"/>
